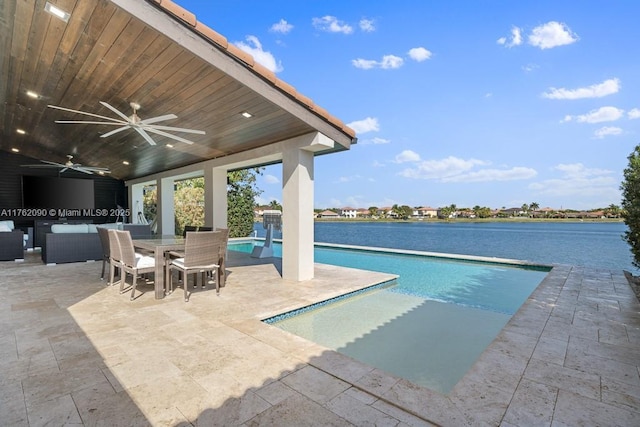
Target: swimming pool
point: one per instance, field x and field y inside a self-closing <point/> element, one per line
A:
<point x="429" y="326"/>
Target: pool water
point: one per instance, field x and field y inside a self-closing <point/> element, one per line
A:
<point x="429" y="327"/>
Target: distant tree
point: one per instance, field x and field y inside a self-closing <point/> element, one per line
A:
<point x="241" y="194"/>
<point x="405" y="212"/>
<point x="188" y="202"/>
<point x="613" y="211"/>
<point x="525" y="208"/>
<point x="631" y="204"/>
<point x="482" y="212"/>
<point x="373" y="210"/>
<point x="534" y="207"/>
<point x="274" y="205"/>
<point x="445" y="212"/>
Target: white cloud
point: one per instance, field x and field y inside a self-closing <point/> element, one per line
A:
<point x="391" y="61"/>
<point x="367" y="25"/>
<point x="387" y="62"/>
<point x="552" y="34"/>
<point x="634" y="114"/>
<point x="331" y="24"/>
<point x="377" y="164"/>
<point x="419" y="54"/>
<point x="485" y="175"/>
<point x="376" y="141"/>
<point x="365" y="125"/>
<point x="365" y="64"/>
<point x="599" y="90"/>
<point x="282" y="26"/>
<point x="407" y="156"/>
<point x="454" y="169"/>
<point x="579" y="181"/>
<point x="607" y="131"/>
<point x="264" y="58"/>
<point x="515" y="40"/>
<point x="530" y="67"/>
<point x="603" y="114"/>
<point x="271" y="179"/>
<point x="344" y="179"/>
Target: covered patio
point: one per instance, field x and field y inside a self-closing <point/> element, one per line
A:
<point x="97" y="61"/>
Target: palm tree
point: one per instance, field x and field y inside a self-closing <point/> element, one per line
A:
<point x="534" y="207"/>
<point x="274" y="205"/>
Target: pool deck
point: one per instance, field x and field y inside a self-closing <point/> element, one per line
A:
<point x="75" y="352"/>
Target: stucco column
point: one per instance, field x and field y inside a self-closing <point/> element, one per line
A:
<point x="165" y="210"/>
<point x="215" y="197"/>
<point x="297" y="214"/>
<point x="136" y="202"/>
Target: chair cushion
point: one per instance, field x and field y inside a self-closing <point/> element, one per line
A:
<point x="144" y="261"/>
<point x="6" y="226"/>
<point x="69" y="228"/>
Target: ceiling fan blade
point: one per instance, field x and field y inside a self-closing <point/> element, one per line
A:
<point x="158" y="119"/>
<point x="60" y="165"/>
<point x="145" y="135"/>
<point x="199" y="132"/>
<point x="113" y="132"/>
<point x="41" y="166"/>
<point x="83" y="170"/>
<point x="115" y="111"/>
<point x="168" y="135"/>
<point x="85" y="113"/>
<point x="114" y="123"/>
<point x="63" y="169"/>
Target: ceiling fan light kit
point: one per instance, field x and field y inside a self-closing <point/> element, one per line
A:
<point x="143" y="127"/>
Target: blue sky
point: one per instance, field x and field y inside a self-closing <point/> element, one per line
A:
<point x="489" y="103"/>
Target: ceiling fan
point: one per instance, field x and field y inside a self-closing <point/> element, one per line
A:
<point x="70" y="165"/>
<point x="133" y="122"/>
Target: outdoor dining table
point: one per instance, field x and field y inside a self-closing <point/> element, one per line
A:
<point x="160" y="245"/>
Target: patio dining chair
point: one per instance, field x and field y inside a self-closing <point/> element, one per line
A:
<point x="115" y="259"/>
<point x="222" y="272"/>
<point x="103" y="233"/>
<point x="201" y="255"/>
<point x="131" y="262"/>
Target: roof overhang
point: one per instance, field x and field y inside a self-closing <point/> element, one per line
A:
<point x="152" y="53"/>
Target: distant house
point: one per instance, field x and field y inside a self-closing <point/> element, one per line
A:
<point x="328" y="214"/>
<point x="363" y="213"/>
<point x="259" y="210"/>
<point x="348" y="212"/>
<point x="425" y="212"/>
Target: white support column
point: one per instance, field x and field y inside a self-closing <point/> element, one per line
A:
<point x="136" y="202"/>
<point x="215" y="197"/>
<point x="297" y="214"/>
<point x="165" y="209"/>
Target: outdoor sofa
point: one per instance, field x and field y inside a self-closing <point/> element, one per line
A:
<point x="11" y="242"/>
<point x="81" y="242"/>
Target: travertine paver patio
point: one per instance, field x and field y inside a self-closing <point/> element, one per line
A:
<point x="74" y="352"/>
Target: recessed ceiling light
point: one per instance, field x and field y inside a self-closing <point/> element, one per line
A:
<point x="32" y="94"/>
<point x="247" y="115"/>
<point x="170" y="145"/>
<point x="124" y="162"/>
<point x="20" y="131"/>
<point x="57" y="12"/>
<point x="15" y="150"/>
<point x="100" y="172"/>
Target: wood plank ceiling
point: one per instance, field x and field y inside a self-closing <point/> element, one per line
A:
<point x="104" y="53"/>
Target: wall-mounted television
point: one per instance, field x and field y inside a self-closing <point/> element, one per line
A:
<point x="58" y="193"/>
